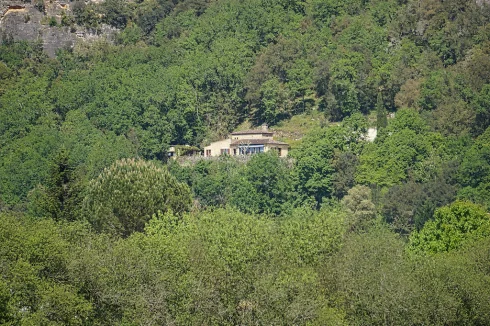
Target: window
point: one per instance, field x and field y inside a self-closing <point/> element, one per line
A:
<point x="279" y="152"/>
<point x="250" y="149"/>
<point x="208" y="152"/>
<point x="225" y="151"/>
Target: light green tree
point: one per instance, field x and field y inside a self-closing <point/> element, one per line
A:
<point x="359" y="206"/>
<point x="451" y="227"/>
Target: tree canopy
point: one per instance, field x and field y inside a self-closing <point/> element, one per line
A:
<point x="125" y="196"/>
<point x="99" y="227"/>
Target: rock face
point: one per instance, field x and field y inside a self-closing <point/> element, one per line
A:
<point x="24" y="21"/>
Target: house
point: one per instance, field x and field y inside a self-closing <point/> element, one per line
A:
<point x="247" y="142"/>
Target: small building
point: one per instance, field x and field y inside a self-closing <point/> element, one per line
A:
<point x="247" y="142"/>
<point x="182" y="150"/>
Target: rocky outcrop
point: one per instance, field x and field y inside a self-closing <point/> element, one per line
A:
<point x="21" y="20"/>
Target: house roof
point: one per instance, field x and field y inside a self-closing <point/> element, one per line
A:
<point x="252" y="132"/>
<point x="260" y="141"/>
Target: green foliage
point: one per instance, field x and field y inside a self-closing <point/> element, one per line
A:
<point x="115" y="13"/>
<point x="408" y="206"/>
<point x="67" y="20"/>
<point x="434" y="89"/>
<point x="251" y="278"/>
<point x="53" y="22"/>
<point x="482" y="102"/>
<point x="324" y="11"/>
<point x="212" y="181"/>
<point x="474" y="170"/>
<point x="310" y="236"/>
<point x="373" y="280"/>
<point x="402" y="150"/>
<point x="25" y="162"/>
<point x="187" y="72"/>
<point x="443" y="19"/>
<point x="237" y="268"/>
<point x="56" y="199"/>
<point x="150" y="12"/>
<point x="131" y="34"/>
<point x="245" y="269"/>
<point x="452" y="226"/>
<point x="40" y="5"/>
<point x="379" y="284"/>
<point x="264" y="186"/>
<point x="21" y="105"/>
<point x="381" y="119"/>
<point x="345" y="165"/>
<point x="35" y="258"/>
<point x="91" y="150"/>
<point x="86" y="14"/>
<point x="125" y="195"/>
<point x="273" y="101"/>
<point x="359" y="207"/>
<point x="344" y="73"/>
<point x="314" y="170"/>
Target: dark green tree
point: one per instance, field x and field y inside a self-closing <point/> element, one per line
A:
<point x="314" y="171"/>
<point x="381" y="118"/>
<point x="265" y="186"/>
<point x="345" y="165"/>
<point x="474" y="171"/>
<point x="482" y="106"/>
<point x="408" y="206"/>
<point x="56" y="198"/>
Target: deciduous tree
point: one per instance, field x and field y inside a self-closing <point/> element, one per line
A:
<point x="451" y="227"/>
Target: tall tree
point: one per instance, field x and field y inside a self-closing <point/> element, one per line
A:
<point x="56" y="198"/>
<point x="381" y="119"/>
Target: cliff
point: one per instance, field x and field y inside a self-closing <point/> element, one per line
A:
<point x="38" y="21"/>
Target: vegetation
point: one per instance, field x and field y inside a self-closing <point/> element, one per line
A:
<point x="99" y="229"/>
<point x="125" y="196"/>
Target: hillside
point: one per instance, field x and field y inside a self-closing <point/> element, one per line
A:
<point x="99" y="227"/>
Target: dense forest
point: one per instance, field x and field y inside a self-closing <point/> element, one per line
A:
<point x="97" y="228"/>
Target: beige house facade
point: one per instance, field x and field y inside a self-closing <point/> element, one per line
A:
<point x="246" y="143"/>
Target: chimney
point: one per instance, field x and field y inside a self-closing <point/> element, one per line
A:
<point x="265" y="127"/>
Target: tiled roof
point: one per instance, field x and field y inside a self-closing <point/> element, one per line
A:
<point x="260" y="141"/>
<point x="251" y="132"/>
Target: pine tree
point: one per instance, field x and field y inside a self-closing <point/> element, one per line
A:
<point x="125" y="196"/>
